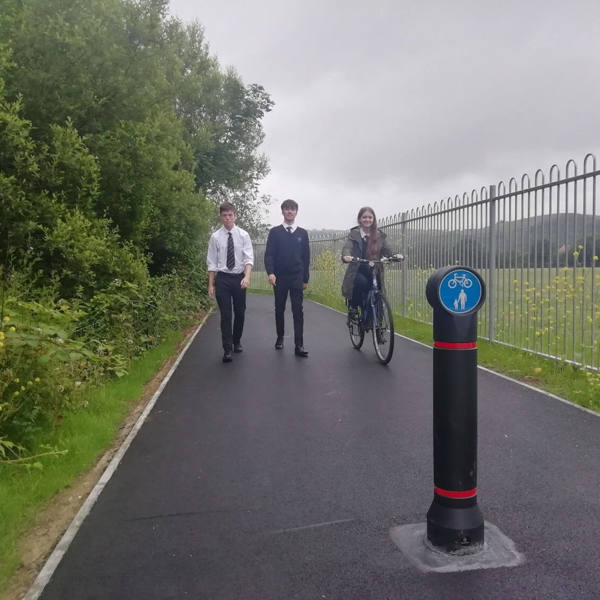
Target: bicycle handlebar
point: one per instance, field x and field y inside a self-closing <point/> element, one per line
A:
<point x="383" y="260"/>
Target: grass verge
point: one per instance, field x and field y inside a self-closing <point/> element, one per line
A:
<point x="84" y="434"/>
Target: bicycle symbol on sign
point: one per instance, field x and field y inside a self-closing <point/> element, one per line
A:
<point x="461" y="280"/>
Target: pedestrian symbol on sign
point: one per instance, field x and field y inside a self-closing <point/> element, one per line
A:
<point x="461" y="300"/>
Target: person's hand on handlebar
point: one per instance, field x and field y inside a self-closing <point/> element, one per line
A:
<point x="393" y="258"/>
<point x="348" y="259"/>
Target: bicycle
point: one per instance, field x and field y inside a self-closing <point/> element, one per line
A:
<point x="374" y="315"/>
<point x="461" y="280"/>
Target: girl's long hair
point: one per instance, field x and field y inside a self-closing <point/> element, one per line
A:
<point x="373" y="247"/>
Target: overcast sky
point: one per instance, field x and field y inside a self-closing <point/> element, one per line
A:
<point x="397" y="104"/>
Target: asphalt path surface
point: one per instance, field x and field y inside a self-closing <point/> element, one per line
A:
<point x="278" y="477"/>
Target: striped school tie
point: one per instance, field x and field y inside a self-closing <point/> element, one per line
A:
<point x="230" y="253"/>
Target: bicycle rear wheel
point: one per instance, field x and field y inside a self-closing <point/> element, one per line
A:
<point x="383" y="330"/>
<point x="356" y="331"/>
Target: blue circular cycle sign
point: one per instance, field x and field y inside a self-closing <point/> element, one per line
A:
<point x="460" y="291"/>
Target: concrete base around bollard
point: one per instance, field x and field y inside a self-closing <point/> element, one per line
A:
<point x="497" y="551"/>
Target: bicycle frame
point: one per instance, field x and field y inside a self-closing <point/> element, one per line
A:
<point x="369" y="306"/>
<point x="368" y="313"/>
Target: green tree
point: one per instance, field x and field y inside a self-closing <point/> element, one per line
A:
<point x="149" y="193"/>
<point x="19" y="172"/>
<point x="119" y="112"/>
<point x="95" y="62"/>
<point x="222" y="116"/>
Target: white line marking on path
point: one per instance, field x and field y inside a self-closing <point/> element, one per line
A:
<point x="59" y="551"/>
<point x="314" y="526"/>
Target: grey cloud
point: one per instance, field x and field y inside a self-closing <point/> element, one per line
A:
<point x="406" y="96"/>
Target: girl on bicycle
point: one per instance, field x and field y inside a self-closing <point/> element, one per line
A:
<point x="364" y="241"/>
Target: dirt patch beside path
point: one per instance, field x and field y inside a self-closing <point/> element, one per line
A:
<point x="52" y="521"/>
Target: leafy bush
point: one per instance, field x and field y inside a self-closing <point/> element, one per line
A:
<point x="86" y="255"/>
<point x="51" y="350"/>
<point x="41" y="366"/>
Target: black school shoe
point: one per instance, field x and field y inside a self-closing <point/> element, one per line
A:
<point x="300" y="351"/>
<point x="237" y="348"/>
<point x="227" y="357"/>
<point x="279" y="343"/>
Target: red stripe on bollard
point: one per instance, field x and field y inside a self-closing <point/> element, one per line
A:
<point x="449" y="494"/>
<point x="455" y="345"/>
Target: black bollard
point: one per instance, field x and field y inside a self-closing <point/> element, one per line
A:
<point x="454" y="522"/>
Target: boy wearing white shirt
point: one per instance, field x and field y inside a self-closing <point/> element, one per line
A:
<point x="229" y="262"/>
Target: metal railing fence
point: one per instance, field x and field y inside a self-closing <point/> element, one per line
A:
<point x="536" y="244"/>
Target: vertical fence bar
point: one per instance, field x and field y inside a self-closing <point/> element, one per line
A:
<point x="581" y="259"/>
<point x="534" y="247"/>
<point x="564" y="282"/>
<point x="543" y="267"/>
<point x="482" y="260"/>
<point x="403" y="251"/>
<point x="491" y="266"/>
<point x="593" y="255"/>
<point x="555" y="285"/>
<point x="573" y="260"/>
<point x="511" y="279"/>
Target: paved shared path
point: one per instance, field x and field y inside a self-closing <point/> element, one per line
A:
<point x="277" y="477"/>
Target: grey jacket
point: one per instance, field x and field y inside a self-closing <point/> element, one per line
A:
<point x="353" y="247"/>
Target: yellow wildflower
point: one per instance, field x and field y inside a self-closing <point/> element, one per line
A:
<point x="6" y="319"/>
<point x="37" y="379"/>
<point x="12" y="329"/>
<point x="1" y="335"/>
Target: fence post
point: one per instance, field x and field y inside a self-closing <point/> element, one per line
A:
<point x="492" y="250"/>
<point x="403" y="252"/>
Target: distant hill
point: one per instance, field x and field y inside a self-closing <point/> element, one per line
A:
<point x="327" y="233"/>
<point x="566" y="229"/>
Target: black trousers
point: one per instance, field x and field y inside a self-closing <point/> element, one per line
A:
<point x="281" y="289"/>
<point x="229" y="293"/>
<point x="362" y="284"/>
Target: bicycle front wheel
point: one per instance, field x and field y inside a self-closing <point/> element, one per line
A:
<point x="356" y="331"/>
<point x="383" y="330"/>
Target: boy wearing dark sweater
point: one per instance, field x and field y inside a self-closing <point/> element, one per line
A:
<point x="287" y="258"/>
